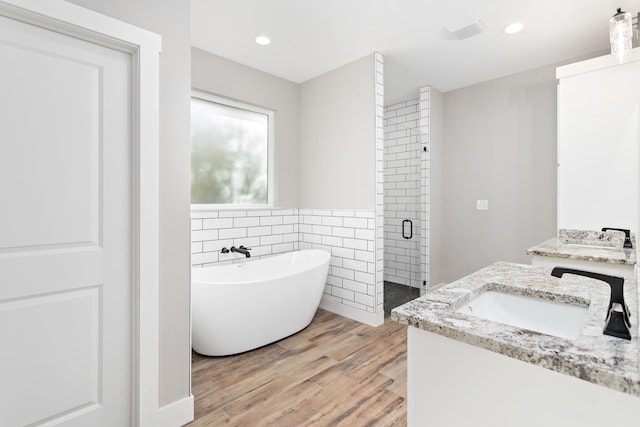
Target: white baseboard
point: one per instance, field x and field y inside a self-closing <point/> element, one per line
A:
<point x="177" y="413"/>
<point x="371" y="319"/>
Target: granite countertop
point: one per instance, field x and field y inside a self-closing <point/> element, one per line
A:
<point x="587" y="246"/>
<point x="594" y="357"/>
<point x="554" y="248"/>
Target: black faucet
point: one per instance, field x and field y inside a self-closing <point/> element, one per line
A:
<point x="241" y="250"/>
<point x="627" y="236"/>
<point x="617" y="323"/>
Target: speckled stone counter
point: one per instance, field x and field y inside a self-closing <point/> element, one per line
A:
<point x="600" y="359"/>
<point x="556" y="248"/>
<point x="609" y="238"/>
<point x="587" y="245"/>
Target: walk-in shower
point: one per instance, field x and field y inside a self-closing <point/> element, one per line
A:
<point x="406" y="200"/>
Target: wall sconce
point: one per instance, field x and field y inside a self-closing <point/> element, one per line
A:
<point x="621" y="33"/>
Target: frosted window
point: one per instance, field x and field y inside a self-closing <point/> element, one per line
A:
<point x="229" y="154"/>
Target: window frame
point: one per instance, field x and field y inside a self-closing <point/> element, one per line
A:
<point x="201" y="207"/>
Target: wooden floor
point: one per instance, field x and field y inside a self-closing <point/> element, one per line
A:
<point x="337" y="372"/>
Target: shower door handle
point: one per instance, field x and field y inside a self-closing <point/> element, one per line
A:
<point x="410" y="229"/>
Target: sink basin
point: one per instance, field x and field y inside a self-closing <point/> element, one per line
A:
<point x="548" y="317"/>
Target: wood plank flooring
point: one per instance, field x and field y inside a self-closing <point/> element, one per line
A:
<point x="336" y="372"/>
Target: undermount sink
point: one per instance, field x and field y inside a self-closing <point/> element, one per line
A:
<point x="548" y="317"/>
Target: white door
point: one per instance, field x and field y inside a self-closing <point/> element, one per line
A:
<point x="65" y="219"/>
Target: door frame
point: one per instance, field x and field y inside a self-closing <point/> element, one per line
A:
<point x="144" y="48"/>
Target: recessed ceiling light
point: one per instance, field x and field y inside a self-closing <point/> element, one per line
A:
<point x="263" y="40"/>
<point x="513" y="28"/>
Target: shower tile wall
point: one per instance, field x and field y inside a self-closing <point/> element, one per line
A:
<point x="402" y="192"/>
<point x="348" y="234"/>
<point x="425" y="199"/>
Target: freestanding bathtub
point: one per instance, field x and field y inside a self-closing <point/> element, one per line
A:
<point x="239" y="307"/>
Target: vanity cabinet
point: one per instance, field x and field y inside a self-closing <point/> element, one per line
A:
<point x="451" y="383"/>
<point x="598" y="143"/>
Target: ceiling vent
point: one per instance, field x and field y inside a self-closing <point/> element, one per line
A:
<point x="469" y="28"/>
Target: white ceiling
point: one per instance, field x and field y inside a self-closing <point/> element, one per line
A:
<point x="311" y="37"/>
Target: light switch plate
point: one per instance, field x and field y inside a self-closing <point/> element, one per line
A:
<point x="482" y="205"/>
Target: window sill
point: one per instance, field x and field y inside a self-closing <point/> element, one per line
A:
<point x="214" y="208"/>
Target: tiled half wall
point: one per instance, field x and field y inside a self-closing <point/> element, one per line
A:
<point x="266" y="232"/>
<point x="348" y="234"/>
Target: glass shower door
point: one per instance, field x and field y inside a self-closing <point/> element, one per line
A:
<point x="403" y="203"/>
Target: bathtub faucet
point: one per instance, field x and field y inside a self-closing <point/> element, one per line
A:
<point x="241" y="250"/>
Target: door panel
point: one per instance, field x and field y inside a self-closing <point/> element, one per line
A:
<point x="60" y="93"/>
<point x="71" y="363"/>
<point x="65" y="290"/>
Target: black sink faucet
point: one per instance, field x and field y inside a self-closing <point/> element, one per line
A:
<point x="242" y="250"/>
<point x="617" y="323"/>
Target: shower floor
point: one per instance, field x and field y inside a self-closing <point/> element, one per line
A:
<point x="396" y="295"/>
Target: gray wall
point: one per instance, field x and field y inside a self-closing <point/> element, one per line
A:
<point x="220" y="76"/>
<point x="171" y="19"/>
<point x="500" y="145"/>
<point x="436" y="183"/>
<point x="338" y="138"/>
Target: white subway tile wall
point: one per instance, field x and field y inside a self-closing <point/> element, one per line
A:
<point x="348" y="234"/>
<point x="266" y="232"/>
<point x="403" y="187"/>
